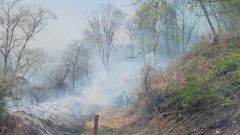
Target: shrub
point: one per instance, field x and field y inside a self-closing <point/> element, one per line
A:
<point x="4" y="97"/>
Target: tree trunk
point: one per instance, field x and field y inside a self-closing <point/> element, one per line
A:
<point x="173" y="36"/>
<point x="208" y="19"/>
<point x="183" y="27"/>
<point x="132" y="48"/>
<point x="177" y="36"/>
<point x="215" y="15"/>
<point x="19" y="58"/>
<point x="107" y="72"/>
<point x="73" y="76"/>
<point x="168" y="49"/>
<point x="233" y="28"/>
<point x="89" y="79"/>
<point x="5" y="68"/>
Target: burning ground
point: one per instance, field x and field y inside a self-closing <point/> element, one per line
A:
<point x="66" y="110"/>
<point x="65" y="115"/>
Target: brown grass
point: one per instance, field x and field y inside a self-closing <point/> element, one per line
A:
<point x="155" y="79"/>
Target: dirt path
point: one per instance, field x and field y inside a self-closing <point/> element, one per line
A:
<point x="119" y="120"/>
<point x="114" y="118"/>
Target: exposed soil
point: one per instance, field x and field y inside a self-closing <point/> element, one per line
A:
<point x="115" y="118"/>
<point x="197" y="123"/>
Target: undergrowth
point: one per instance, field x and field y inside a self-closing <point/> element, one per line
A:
<point x="106" y="130"/>
<point x="219" y="85"/>
<point x="204" y="79"/>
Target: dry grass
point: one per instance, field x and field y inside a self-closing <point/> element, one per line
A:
<point x="200" y="60"/>
<point x="115" y="118"/>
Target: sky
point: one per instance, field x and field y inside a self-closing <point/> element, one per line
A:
<point x="71" y="20"/>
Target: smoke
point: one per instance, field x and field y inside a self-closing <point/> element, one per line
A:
<point x="124" y="74"/>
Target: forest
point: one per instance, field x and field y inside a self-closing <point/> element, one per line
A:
<point x="178" y="56"/>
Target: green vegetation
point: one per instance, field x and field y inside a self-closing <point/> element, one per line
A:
<point x="2" y="104"/>
<point x="130" y="132"/>
<point x="188" y="130"/>
<point x="110" y="113"/>
<point x="106" y="130"/>
<point x="75" y="129"/>
<point x="3" y="97"/>
<point x="218" y="85"/>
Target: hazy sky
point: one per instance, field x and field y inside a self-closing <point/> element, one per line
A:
<point x="71" y="20"/>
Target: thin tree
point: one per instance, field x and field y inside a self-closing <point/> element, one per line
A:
<point x="194" y="4"/>
<point x="104" y="24"/>
<point x="130" y="30"/>
<point x="77" y="57"/>
<point x="208" y="18"/>
<point x="32" y="62"/>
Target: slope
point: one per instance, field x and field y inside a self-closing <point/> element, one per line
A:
<point x="197" y="94"/>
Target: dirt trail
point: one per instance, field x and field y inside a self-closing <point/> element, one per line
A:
<point x="112" y="117"/>
<point x="122" y="123"/>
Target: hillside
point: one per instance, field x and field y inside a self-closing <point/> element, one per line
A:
<point x="197" y="94"/>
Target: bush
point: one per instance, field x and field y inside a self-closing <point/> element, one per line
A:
<point x="4" y="97"/>
<point x="2" y="104"/>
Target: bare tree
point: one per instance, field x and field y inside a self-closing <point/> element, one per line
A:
<point x="76" y="57"/>
<point x="19" y="24"/>
<point x="33" y="61"/>
<point x="130" y="30"/>
<point x="104" y="23"/>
